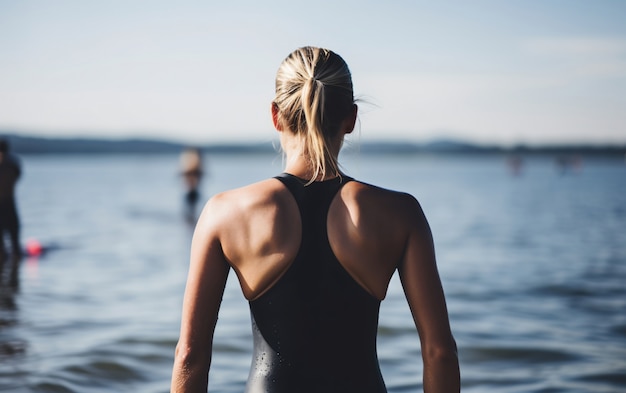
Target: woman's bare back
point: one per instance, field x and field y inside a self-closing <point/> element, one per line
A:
<point x="260" y="233"/>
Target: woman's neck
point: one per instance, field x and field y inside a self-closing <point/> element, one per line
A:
<point x="297" y="161"/>
<point x="299" y="164"/>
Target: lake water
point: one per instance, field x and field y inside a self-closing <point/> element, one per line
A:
<point x="534" y="269"/>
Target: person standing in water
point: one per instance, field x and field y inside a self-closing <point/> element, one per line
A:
<point x="192" y="172"/>
<point x="314" y="251"/>
<point x="10" y="173"/>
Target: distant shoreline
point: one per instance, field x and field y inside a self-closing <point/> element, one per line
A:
<point x="40" y="145"/>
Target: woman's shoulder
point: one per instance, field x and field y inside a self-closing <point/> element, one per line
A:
<point x="228" y="209"/>
<point x="262" y="192"/>
<point x="365" y="192"/>
<point x="381" y="202"/>
<point x="246" y="200"/>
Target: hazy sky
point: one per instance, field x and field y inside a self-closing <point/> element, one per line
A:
<point x="203" y="71"/>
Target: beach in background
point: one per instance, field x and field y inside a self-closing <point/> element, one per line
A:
<point x="532" y="256"/>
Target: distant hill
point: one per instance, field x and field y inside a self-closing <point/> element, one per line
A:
<point x="38" y="145"/>
<point x="21" y="144"/>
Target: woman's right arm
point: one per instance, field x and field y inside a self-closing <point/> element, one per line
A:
<point x="422" y="287"/>
<point x="206" y="280"/>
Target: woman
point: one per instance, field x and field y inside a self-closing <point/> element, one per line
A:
<point x="314" y="252"/>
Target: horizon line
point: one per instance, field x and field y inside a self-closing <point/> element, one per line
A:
<point x="4" y="133"/>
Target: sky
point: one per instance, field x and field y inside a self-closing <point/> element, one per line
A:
<point x="498" y="72"/>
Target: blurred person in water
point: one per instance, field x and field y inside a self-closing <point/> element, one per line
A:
<point x="192" y="172"/>
<point x="9" y="221"/>
<point x="314" y="251"/>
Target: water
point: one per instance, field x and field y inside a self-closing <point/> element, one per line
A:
<point x="534" y="268"/>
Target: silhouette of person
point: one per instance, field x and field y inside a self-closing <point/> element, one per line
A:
<point x="192" y="172"/>
<point x="314" y="251"/>
<point x="515" y="164"/>
<point x="10" y="172"/>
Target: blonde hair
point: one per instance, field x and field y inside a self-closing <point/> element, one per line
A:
<point x="314" y="96"/>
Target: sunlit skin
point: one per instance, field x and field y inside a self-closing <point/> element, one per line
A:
<point x="372" y="231"/>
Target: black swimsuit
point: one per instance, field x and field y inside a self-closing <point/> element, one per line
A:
<point x="315" y="329"/>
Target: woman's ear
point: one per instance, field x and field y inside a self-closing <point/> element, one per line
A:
<point x="276" y="117"/>
<point x="351" y="119"/>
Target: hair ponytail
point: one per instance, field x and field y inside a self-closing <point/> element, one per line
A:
<point x="316" y="144"/>
<point x="314" y="95"/>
